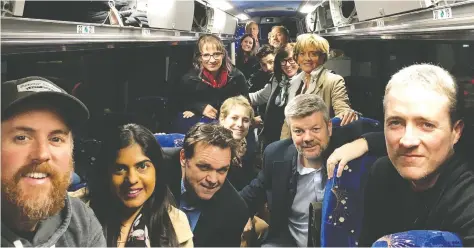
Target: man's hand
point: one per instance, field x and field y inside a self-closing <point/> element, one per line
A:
<point x="248" y="227"/>
<point x="257" y="120"/>
<point x="345" y="154"/>
<point x="188" y="114"/>
<point x="348" y="116"/>
<point x="210" y="112"/>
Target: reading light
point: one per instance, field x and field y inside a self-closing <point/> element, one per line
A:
<point x="221" y="4"/>
<point x="242" y="17"/>
<point x="307" y="8"/>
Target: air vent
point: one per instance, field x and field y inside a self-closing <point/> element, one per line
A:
<point x="201" y="17"/>
<point x="342" y="11"/>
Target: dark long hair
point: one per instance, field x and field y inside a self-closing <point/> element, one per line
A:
<point x="106" y="205"/>
<point x="239" y="60"/>
<point x="281" y="54"/>
<point x="252" y="51"/>
<point x="211" y="38"/>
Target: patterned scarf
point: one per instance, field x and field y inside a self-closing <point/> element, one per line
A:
<point x="218" y="82"/>
<point x="281" y="98"/>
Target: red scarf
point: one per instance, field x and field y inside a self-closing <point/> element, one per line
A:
<point x="221" y="80"/>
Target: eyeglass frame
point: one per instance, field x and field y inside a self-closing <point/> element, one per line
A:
<point x="283" y="62"/>
<point x="220" y="54"/>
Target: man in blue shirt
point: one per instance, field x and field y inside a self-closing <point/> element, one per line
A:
<point x="216" y="213"/>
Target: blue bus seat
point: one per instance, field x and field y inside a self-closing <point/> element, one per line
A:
<point x="343" y="204"/>
<point x="419" y="238"/>
<point x="182" y="125"/>
<point x="170" y="140"/>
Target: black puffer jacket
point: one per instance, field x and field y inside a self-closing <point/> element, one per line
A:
<point x="195" y="95"/>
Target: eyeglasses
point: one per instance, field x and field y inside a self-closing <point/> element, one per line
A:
<point x="216" y="56"/>
<point x="290" y="61"/>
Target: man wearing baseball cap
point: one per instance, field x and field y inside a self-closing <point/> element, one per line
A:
<point x="37" y="162"/>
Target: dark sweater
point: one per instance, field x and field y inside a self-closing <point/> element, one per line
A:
<point x="392" y="206"/>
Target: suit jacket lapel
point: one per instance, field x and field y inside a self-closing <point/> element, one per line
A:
<point x="294" y="85"/>
<point x="284" y="181"/>
<point x="316" y="82"/>
<point x="210" y="216"/>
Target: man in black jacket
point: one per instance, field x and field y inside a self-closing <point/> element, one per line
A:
<point x="294" y="172"/>
<point x="423" y="183"/>
<point x="216" y="213"/>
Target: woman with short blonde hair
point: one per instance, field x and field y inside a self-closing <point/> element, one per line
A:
<point x="311" y="52"/>
<point x="236" y="114"/>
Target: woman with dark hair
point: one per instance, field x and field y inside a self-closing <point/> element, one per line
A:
<point x="246" y="60"/>
<point x="212" y="80"/>
<point x="275" y="94"/>
<point x="130" y="196"/>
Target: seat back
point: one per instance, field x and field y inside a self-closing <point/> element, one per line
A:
<point x="170" y="140"/>
<point x="182" y="125"/>
<point x="342" y="207"/>
<point x="419" y="238"/>
<point x="343" y="204"/>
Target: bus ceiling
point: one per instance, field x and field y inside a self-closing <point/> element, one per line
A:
<point x="28" y="27"/>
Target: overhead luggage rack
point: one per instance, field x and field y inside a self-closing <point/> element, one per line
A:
<point x="23" y="35"/>
<point x="448" y="22"/>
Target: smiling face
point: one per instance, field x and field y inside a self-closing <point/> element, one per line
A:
<point x="289" y="65"/>
<point x="277" y="38"/>
<point x="211" y="57"/>
<point x="418" y="131"/>
<point x="133" y="176"/>
<point x="36" y="163"/>
<point x="309" y="59"/>
<point x="238" y="121"/>
<point x="247" y="44"/>
<point x="310" y="135"/>
<point x="206" y="171"/>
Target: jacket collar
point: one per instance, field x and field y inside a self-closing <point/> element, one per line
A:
<point x="195" y="75"/>
<point x="48" y="233"/>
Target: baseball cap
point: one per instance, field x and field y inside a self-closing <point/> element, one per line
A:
<point x="16" y="93"/>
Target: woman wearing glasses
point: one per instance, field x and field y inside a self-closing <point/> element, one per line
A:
<point x="311" y="52"/>
<point x="212" y="80"/>
<point x="276" y="94"/>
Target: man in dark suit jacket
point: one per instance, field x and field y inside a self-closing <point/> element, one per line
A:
<point x="294" y="173"/>
<point x="216" y="213"/>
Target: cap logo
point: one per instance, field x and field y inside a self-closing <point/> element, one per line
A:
<point x="37" y="86"/>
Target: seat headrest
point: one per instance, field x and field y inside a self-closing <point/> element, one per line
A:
<point x="420" y="238"/>
<point x="170" y="140"/>
<point x="171" y="151"/>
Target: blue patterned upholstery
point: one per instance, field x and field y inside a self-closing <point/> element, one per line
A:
<point x="182" y="125"/>
<point x="419" y="238"/>
<point x="343" y="204"/>
<point x="342" y="209"/>
<point x="336" y="121"/>
<point x="170" y="140"/>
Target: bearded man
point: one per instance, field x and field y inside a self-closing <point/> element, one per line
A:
<point x="37" y="162"/>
